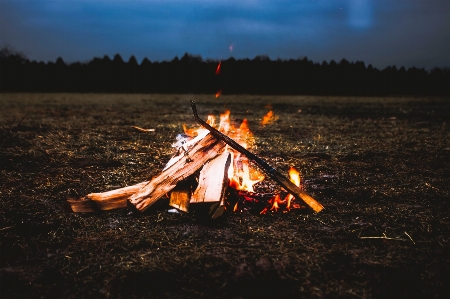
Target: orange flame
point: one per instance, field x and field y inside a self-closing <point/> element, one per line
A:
<point x="294" y="176"/>
<point x="218" y="68"/>
<point x="211" y="120"/>
<point x="242" y="176"/>
<point x="218" y="93"/>
<point x="240" y="173"/>
<point x="266" y="118"/>
<point x="275" y="202"/>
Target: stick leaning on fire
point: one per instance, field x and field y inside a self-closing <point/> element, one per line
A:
<point x="269" y="170"/>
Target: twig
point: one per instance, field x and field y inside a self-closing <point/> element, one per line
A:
<point x="5" y="228"/>
<point x="142" y="129"/>
<point x="410" y="238"/>
<point x="383" y="237"/>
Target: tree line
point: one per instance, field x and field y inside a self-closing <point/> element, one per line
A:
<point x="192" y="74"/>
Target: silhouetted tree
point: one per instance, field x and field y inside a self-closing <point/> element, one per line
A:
<point x="192" y="74"/>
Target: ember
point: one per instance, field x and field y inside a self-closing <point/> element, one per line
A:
<point x="218" y="68"/>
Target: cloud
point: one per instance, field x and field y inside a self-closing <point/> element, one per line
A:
<point x="380" y="32"/>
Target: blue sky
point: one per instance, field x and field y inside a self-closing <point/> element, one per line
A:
<point x="378" y="32"/>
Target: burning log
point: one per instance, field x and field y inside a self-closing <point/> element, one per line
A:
<point x="193" y="159"/>
<point x="269" y="170"/>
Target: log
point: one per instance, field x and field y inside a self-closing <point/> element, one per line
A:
<point x="193" y="159"/>
<point x="81" y="205"/>
<point x="213" y="183"/>
<point x="114" y="199"/>
<point x="181" y="195"/>
<point x="213" y="180"/>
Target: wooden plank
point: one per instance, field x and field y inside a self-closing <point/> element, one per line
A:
<point x="193" y="159"/>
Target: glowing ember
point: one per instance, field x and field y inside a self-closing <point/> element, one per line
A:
<point x="218" y="93"/>
<point x="218" y="68"/>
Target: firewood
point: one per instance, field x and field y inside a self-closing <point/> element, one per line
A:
<point x="114" y="199"/>
<point x="181" y="195"/>
<point x="213" y="180"/>
<point x="192" y="159"/>
<point x="212" y="184"/>
<point x="81" y="205"/>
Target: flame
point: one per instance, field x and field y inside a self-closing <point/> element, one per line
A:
<point x="275" y="202"/>
<point x="218" y="93"/>
<point x="294" y="176"/>
<point x="266" y="118"/>
<point x="211" y="120"/>
<point x="241" y="175"/>
<point x="218" y="68"/>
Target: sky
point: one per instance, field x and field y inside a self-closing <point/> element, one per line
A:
<point x="379" y="32"/>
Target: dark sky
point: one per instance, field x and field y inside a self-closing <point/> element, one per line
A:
<point x="379" y="32"/>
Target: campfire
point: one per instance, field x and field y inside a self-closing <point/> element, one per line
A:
<point x="210" y="166"/>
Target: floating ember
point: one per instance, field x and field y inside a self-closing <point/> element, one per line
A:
<point x="218" y="68"/>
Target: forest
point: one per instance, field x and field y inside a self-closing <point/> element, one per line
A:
<point x="193" y="74"/>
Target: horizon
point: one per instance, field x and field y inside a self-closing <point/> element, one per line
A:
<point x="207" y="60"/>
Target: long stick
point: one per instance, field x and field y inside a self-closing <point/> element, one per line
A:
<point x="269" y="170"/>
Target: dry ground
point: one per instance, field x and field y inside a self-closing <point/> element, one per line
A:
<point x="380" y="166"/>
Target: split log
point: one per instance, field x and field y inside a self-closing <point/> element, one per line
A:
<point x="212" y="184"/>
<point x="114" y="199"/>
<point x="193" y="159"/>
<point x="213" y="180"/>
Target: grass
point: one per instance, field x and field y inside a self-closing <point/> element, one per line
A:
<point x="380" y="166"/>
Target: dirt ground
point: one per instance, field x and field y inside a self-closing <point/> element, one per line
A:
<point x="380" y="166"/>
